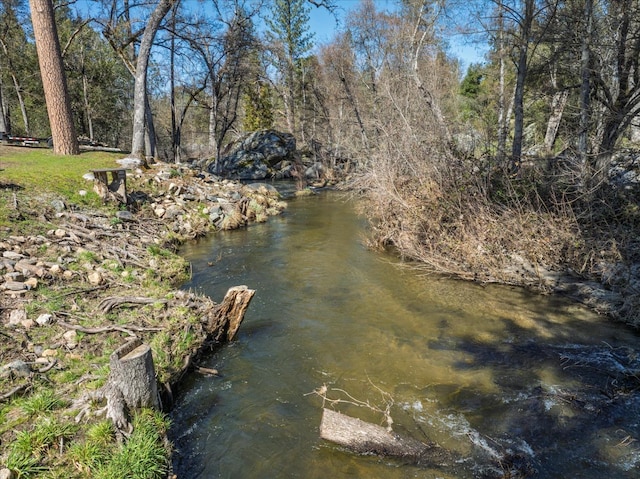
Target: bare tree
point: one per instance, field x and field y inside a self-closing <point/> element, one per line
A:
<point x="65" y="141"/>
<point x="140" y="98"/>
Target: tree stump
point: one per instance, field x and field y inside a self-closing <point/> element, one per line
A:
<point x="366" y="438"/>
<point x="224" y="322"/>
<point x="132" y="382"/>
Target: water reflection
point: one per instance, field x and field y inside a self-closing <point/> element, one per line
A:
<point x="502" y="378"/>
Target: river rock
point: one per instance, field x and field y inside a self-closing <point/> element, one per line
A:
<point x="6" y="474"/>
<point x="254" y="156"/>
<point x="30" y="267"/>
<point x="71" y="338"/>
<point x="12" y="255"/>
<point x="17" y="316"/>
<point x="16" y="276"/>
<point x="58" y="205"/>
<point x="95" y="278"/>
<point x="15" y="368"/>
<point x="125" y="216"/>
<point x="28" y="324"/>
<point x="15" y="286"/>
<point x="44" y="319"/>
<point x="173" y="211"/>
<point x="315" y="171"/>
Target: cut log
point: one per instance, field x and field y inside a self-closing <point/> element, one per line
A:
<point x="224" y="322"/>
<point x="366" y="438"/>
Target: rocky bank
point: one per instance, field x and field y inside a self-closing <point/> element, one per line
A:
<point x="87" y="281"/>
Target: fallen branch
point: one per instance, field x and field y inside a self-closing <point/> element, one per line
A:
<point x="8" y="395"/>
<point x="83" y="291"/>
<point x="107" y="304"/>
<point x="48" y="366"/>
<point x="128" y="329"/>
<point x="206" y="371"/>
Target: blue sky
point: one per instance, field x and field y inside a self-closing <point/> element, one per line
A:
<point x="323" y="24"/>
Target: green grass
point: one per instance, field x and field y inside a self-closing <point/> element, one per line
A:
<point x="45" y="433"/>
<point x="43" y="401"/>
<point x="41" y="169"/>
<point x="142" y="456"/>
<point x="26" y="173"/>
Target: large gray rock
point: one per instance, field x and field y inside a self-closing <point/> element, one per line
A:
<point x="254" y="156"/>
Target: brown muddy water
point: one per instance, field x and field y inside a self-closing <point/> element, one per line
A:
<point x="509" y="382"/>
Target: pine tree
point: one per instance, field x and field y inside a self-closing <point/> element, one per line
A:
<point x="54" y="80"/>
<point x="289" y="34"/>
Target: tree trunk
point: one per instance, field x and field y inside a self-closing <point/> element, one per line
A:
<point x="3" y="110"/>
<point x="558" y="102"/>
<point x="65" y="141"/>
<point x="366" y="438"/>
<point x="585" y="88"/>
<point x="521" y="75"/>
<point x="18" y="89"/>
<point x="432" y="103"/>
<point x="140" y="87"/>
<point x="151" y="145"/>
<point x="23" y="107"/>
<point x="502" y="115"/>
<point x="87" y="105"/>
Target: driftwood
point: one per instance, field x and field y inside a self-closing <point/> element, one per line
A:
<point x="366" y="438"/>
<point x="227" y="316"/>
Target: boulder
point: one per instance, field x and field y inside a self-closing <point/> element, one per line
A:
<point x="254" y="156"/>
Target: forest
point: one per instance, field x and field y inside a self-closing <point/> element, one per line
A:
<point x="520" y="166"/>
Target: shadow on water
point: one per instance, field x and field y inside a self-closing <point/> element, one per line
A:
<point x="569" y="407"/>
<point x="566" y="402"/>
<point x="513" y="384"/>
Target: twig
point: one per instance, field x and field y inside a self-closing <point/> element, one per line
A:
<point x="386" y="412"/>
<point x="13" y="392"/>
<point x="7" y="336"/>
<point x="48" y="366"/>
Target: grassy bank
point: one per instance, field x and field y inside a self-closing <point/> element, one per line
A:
<point x="97" y="281"/>
<point x="36" y="172"/>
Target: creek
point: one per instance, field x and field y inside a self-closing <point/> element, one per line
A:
<point x="509" y="381"/>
